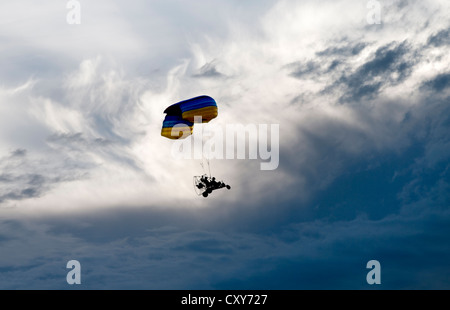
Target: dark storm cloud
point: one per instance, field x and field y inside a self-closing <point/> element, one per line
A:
<point x="6" y="178"/>
<point x="334" y="64"/>
<point x="208" y="245"/>
<point x="209" y="70"/>
<point x="387" y="59"/>
<point x="390" y="192"/>
<point x="303" y="70"/>
<point x="77" y="142"/>
<point x="338" y="257"/>
<point x="394" y="192"/>
<point x="348" y="50"/>
<point x="438" y="83"/>
<point x="323" y="253"/>
<point x="19" y="153"/>
<point x="20" y="194"/>
<point x="77" y="138"/>
<point x="441" y="38"/>
<point x="15" y="185"/>
<point x="328" y="60"/>
<point x="391" y="64"/>
<point x="23" y="176"/>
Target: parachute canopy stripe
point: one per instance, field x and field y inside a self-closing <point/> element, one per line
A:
<point x="206" y="113"/>
<point x="179" y="121"/>
<point x="174" y="127"/>
<point x="193" y="106"/>
<point x="176" y="132"/>
<point x="197" y="102"/>
<point x="190" y="104"/>
<point x="172" y="120"/>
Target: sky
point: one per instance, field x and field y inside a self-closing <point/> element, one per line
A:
<point x="360" y="91"/>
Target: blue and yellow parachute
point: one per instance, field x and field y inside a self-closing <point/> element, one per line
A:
<point x="181" y="116"/>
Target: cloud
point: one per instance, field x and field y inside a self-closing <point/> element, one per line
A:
<point x="28" y="176"/>
<point x="389" y="66"/>
<point x="300" y="69"/>
<point x="363" y="174"/>
<point x="209" y="70"/>
<point x="439" y="83"/>
<point x="441" y="38"/>
<point x="347" y="50"/>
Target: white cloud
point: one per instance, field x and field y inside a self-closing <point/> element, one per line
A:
<point x="116" y="115"/>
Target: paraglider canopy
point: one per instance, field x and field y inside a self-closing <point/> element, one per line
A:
<point x="183" y="114"/>
<point x="174" y="109"/>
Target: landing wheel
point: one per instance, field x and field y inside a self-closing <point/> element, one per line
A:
<point x="205" y="194"/>
<point x="228" y="187"/>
